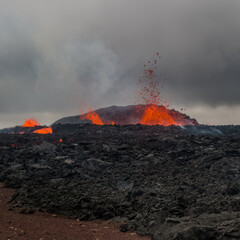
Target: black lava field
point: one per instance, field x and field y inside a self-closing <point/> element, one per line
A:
<point x="167" y="182"/>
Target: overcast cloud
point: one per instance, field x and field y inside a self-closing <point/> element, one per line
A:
<point x="60" y="57"/>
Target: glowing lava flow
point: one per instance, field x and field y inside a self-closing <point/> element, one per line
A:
<point x="94" y="117"/>
<point x="154" y="115"/>
<point x="31" y="123"/>
<point x="44" y="131"/>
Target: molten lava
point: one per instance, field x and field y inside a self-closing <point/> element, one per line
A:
<point x="151" y="107"/>
<point x="150" y="84"/>
<point x="156" y="109"/>
<point x="44" y="131"/>
<point x="94" y="117"/>
<point x="154" y="115"/>
<point x="31" y="123"/>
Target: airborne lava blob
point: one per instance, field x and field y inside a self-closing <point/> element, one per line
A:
<point x="156" y="110"/>
<point x="150" y="84"/>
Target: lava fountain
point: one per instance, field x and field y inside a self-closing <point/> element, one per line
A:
<point x="31" y="123"/>
<point x="94" y="117"/>
<point x="156" y="110"/>
<point x="154" y="115"/>
<point x="151" y="107"/>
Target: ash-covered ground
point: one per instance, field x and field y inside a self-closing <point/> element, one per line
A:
<point x="167" y="182"/>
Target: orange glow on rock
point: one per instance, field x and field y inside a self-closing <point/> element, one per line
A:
<point x="31" y="123"/>
<point x="157" y="115"/>
<point x="44" y="131"/>
<point x="94" y="117"/>
<point x="156" y="110"/>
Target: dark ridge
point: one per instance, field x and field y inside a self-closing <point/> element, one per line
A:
<point x="125" y="115"/>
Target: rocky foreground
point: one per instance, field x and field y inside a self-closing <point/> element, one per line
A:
<point x="167" y="182"/>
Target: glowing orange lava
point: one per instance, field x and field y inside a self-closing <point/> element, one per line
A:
<point x="44" y="131"/>
<point x="156" y="109"/>
<point x="94" y="117"/>
<point x="31" y="123"/>
<point x="154" y="115"/>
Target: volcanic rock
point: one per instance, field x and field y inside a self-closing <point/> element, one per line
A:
<point x="168" y="182"/>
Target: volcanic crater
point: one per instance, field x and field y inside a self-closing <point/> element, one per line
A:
<point x="149" y="114"/>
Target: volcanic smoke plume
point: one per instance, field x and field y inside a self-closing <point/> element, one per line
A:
<point x="152" y="110"/>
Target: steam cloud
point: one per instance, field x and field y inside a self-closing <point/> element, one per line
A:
<point x="57" y="57"/>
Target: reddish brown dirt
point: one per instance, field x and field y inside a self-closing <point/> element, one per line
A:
<point x="42" y="226"/>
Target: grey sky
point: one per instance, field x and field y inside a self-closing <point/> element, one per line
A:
<point x="60" y="57"/>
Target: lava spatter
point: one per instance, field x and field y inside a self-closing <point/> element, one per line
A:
<point x="157" y="115"/>
<point x="150" y="84"/>
<point x="31" y="123"/>
<point x="94" y="117"/>
<point x="156" y="109"/>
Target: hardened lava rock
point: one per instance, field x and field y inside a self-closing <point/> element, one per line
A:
<point x="168" y="182"/>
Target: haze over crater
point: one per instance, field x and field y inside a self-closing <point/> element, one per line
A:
<point x="57" y="58"/>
